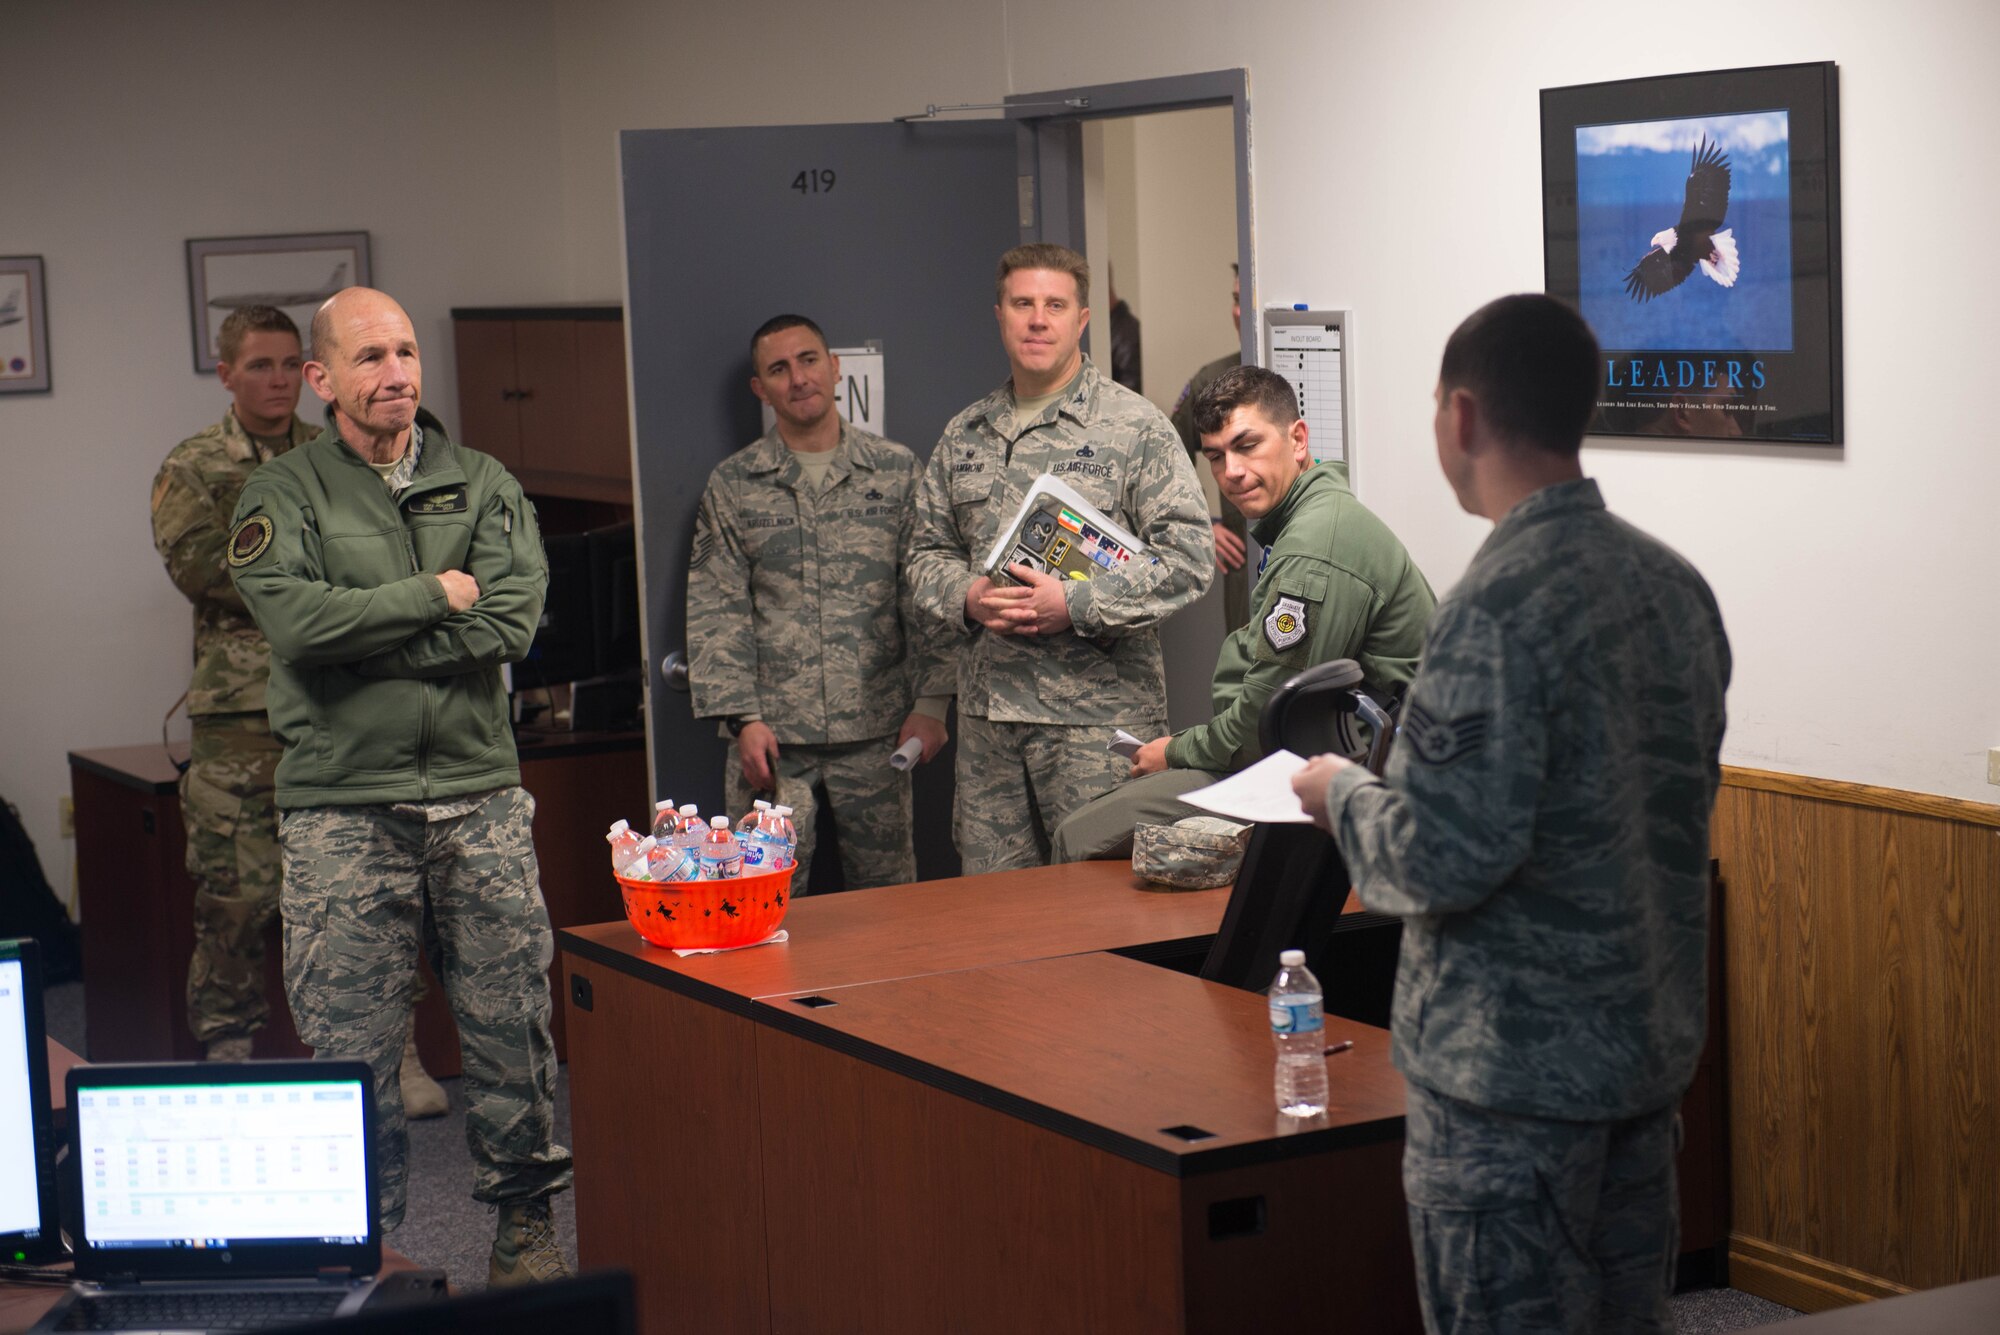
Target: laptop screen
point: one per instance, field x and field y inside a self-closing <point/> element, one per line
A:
<point x="27" y="1177"/>
<point x="223" y="1170"/>
<point x="224" y="1164"/>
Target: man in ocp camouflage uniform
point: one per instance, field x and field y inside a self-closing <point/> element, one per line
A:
<point x="232" y="826"/>
<point x="1049" y="668"/>
<point x="1543" y="831"/>
<point x="800" y="637"/>
<point x="1334" y="583"/>
<point x="394" y="572"/>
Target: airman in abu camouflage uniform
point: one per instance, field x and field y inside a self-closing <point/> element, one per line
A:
<point x="1543" y="830"/>
<point x="232" y="828"/>
<point x="800" y="636"/>
<point x="1049" y="668"/>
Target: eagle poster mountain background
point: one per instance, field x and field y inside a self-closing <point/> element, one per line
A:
<point x="1693" y="219"/>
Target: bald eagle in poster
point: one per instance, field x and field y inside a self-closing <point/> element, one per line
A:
<point x="1700" y="240"/>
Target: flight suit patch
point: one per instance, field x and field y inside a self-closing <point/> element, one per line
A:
<point x="1443" y="742"/>
<point x="250" y="540"/>
<point x="1286" y="624"/>
<point x="450" y="502"/>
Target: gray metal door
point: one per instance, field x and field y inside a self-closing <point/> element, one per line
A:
<point x="878" y="232"/>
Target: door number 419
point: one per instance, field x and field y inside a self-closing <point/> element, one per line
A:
<point x="818" y="181"/>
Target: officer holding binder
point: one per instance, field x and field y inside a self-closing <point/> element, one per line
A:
<point x="1049" y="667"/>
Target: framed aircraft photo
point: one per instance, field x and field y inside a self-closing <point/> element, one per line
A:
<point x="24" y="326"/>
<point x="1694" y="219"/>
<point x="293" y="273"/>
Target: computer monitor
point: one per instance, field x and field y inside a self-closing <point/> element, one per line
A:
<point x="614" y="586"/>
<point x="29" y="1234"/>
<point x="565" y="647"/>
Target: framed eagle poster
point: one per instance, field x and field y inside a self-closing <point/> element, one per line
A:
<point x="1694" y="219"/>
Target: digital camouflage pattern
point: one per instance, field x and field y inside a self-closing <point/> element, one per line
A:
<point x="1543" y="824"/>
<point x="1538" y="1226"/>
<point x="870" y="801"/>
<point x="1016" y="782"/>
<point x="366" y="888"/>
<point x="194" y="496"/>
<point x="1335" y="583"/>
<point x="232" y="855"/>
<point x="1194" y="853"/>
<point x="1105" y="826"/>
<point x="226" y="808"/>
<point x="1047" y="703"/>
<point x="797" y="611"/>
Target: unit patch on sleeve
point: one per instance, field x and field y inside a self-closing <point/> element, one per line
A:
<point x="249" y="540"/>
<point x="1286" y="625"/>
<point x="1441" y="743"/>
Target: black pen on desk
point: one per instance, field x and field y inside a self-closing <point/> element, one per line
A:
<point x="1342" y="1046"/>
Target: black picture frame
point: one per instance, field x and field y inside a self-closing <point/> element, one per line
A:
<point x="1747" y="347"/>
<point x="24" y="325"/>
<point x="294" y="272"/>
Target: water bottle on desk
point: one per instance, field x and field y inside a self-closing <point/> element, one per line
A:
<point x="1298" y="1027"/>
<point x="786" y="836"/>
<point x="693" y="829"/>
<point x="669" y="861"/>
<point x="666" y="820"/>
<point x="638" y="866"/>
<point x="751" y="821"/>
<point x="721" y="855"/>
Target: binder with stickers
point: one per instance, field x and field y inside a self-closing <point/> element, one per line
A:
<point x="1057" y="532"/>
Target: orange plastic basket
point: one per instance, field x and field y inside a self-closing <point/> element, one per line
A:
<point x="704" y="915"/>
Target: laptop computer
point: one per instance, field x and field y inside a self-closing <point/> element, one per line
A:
<point x="29" y="1234"/>
<point x="220" y="1195"/>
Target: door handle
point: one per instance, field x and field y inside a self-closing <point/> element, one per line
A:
<point x="674" y="668"/>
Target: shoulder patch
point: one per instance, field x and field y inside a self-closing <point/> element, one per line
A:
<point x="704" y="540"/>
<point x="1286" y="624"/>
<point x="249" y="540"/>
<point x="1443" y="742"/>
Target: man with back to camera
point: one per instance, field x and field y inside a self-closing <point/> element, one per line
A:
<point x="232" y="826"/>
<point x="1543" y="831"/>
<point x="393" y="572"/>
<point x="800" y="636"/>
<point x="1048" y="668"/>
<point x="1228" y="523"/>
<point x="1334" y="583"/>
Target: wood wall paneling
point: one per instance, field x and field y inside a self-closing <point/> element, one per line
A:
<point x="1863" y="971"/>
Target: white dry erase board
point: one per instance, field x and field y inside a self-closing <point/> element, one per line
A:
<point x="1313" y="350"/>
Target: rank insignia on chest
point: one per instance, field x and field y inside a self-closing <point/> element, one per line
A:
<point x="874" y="494"/>
<point x="250" y="540"/>
<point x="439" y="503"/>
<point x="1085" y="452"/>
<point x="1286" y="624"/>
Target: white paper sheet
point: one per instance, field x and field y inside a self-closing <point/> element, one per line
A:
<point x="1124" y="743"/>
<point x="1261" y="793"/>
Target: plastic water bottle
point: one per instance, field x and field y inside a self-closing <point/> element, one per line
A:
<point x="753" y="819"/>
<point x="666" y="821"/>
<point x="636" y="867"/>
<point x="693" y="829"/>
<point x="624" y="844"/>
<point x="670" y="861"/>
<point x="786" y="838"/>
<point x="721" y="855"/>
<point x="1298" y="1027"/>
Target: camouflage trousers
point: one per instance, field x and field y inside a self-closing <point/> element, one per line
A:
<point x="365" y="888"/>
<point x="232" y="856"/>
<point x="1102" y="827"/>
<point x="870" y="801"/>
<point x="1018" y="781"/>
<point x="1522" y="1224"/>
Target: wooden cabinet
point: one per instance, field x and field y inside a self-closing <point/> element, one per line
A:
<point x="138" y="901"/>
<point x="542" y="389"/>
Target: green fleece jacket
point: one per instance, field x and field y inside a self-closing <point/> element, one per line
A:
<point x="379" y="691"/>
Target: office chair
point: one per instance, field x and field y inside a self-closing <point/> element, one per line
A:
<point x="1293" y="882"/>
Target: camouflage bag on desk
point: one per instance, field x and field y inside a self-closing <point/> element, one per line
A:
<point x="1198" y="853"/>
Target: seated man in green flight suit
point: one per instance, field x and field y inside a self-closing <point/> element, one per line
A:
<point x="1334" y="583"/>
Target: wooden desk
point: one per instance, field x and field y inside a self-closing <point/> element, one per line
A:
<point x="760" y="1164"/>
<point x="137" y="902"/>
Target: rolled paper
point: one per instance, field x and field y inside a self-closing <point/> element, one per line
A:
<point x="907" y="754"/>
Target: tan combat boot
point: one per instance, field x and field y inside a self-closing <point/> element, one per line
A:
<point x="525" y="1250"/>
<point x="422" y="1096"/>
